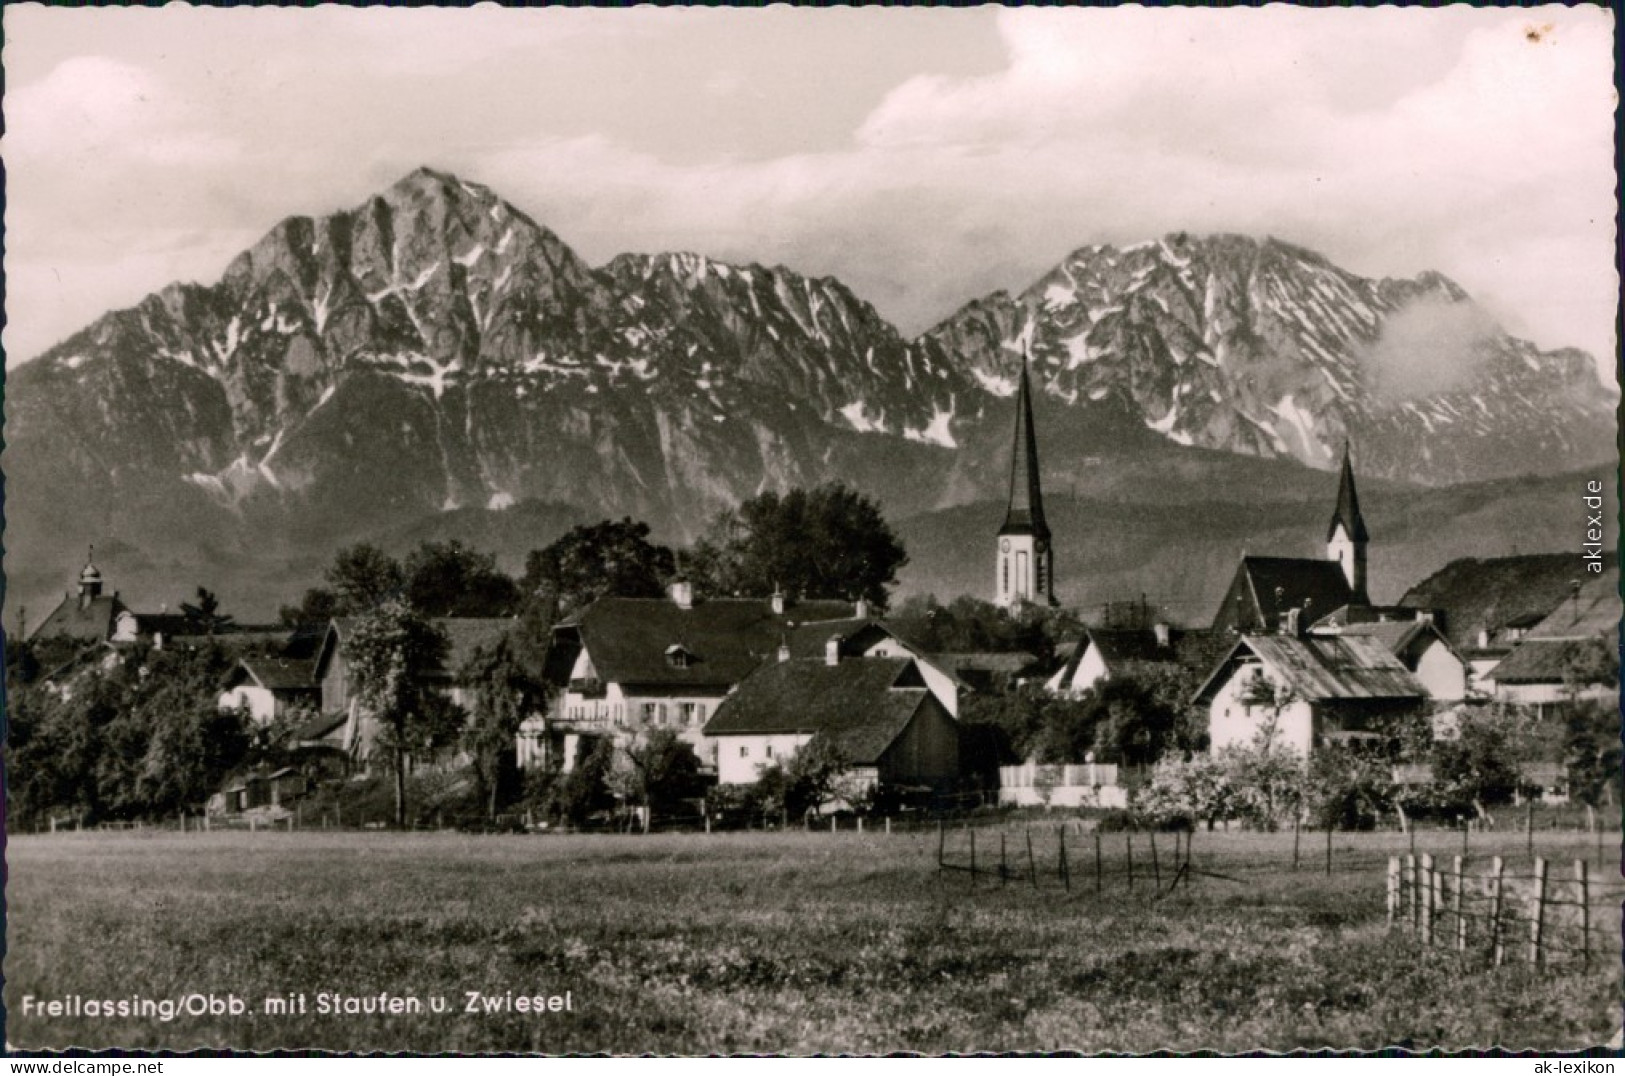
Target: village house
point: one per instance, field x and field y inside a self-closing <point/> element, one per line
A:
<point x="1325" y="689"/>
<point x="1417" y="642"/>
<point x="627" y="663"/>
<point x="876" y="712"/>
<point x="1486" y="607"/>
<point x="1573" y="653"/>
<point x="1105" y="654"/>
<point x="862" y="636"/>
<point x="270" y="687"/>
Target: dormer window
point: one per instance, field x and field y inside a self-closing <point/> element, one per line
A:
<point x="678" y="657"/>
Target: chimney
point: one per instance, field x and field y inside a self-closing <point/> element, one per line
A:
<point x="784" y="649"/>
<point x="860" y="609"/>
<point x="1483" y="638"/>
<point x="832" y="650"/>
<point x="682" y="593"/>
<point x="778" y="601"/>
<point x="1161" y="630"/>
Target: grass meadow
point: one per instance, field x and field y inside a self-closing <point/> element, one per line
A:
<point x="768" y="942"/>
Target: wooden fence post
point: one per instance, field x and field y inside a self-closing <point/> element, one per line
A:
<point x="1066" y="872"/>
<point x="1582" y="882"/>
<point x="1032" y="864"/>
<point x="888" y="825"/>
<point x="1427" y="895"/>
<point x="1393" y="890"/>
<point x="860" y="823"/>
<point x="1537" y="913"/>
<point x="1414" y="895"/>
<point x="1297" y="824"/>
<point x="1466" y="824"/>
<point x="1529" y="828"/>
<point x="1004" y="867"/>
<point x="1497" y="889"/>
<point x="832" y="823"/>
<point x="1156" y="869"/>
<point x="972" y="831"/>
<point x="1328" y="849"/>
<point x="1455" y="898"/>
<point x="942" y="840"/>
<point x="1097" y="862"/>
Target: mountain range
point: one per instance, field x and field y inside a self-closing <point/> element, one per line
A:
<point x="434" y="361"/>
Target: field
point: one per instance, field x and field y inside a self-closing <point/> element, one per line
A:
<point x="766" y="942"/>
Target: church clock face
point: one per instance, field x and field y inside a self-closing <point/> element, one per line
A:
<point x="1004" y="544"/>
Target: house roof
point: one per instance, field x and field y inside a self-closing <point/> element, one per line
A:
<point x="1324" y="668"/>
<point x="319" y="727"/>
<point x="860" y="705"/>
<point x="90" y="622"/>
<point x="1361" y="613"/>
<point x="281" y="674"/>
<point x="726" y="638"/>
<point x="1591" y="612"/>
<point x="1472" y="595"/>
<point x="1282" y="583"/>
<point x="808" y="640"/>
<point x="1553" y="661"/>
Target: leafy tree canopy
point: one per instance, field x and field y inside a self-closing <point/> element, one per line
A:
<point x="830" y="542"/>
<point x="608" y="559"/>
<point x="450" y="579"/>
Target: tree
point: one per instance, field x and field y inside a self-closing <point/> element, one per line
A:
<point x="576" y="796"/>
<point x="387" y="652"/>
<point x="972" y="624"/>
<point x="605" y="559"/>
<point x="203" y="616"/>
<point x="318" y="605"/>
<point x="655" y="768"/>
<point x="813" y="775"/>
<point x="828" y="542"/>
<point x="1591" y="752"/>
<point x="364" y="577"/>
<point x="448" y="579"/>
<point x="1347" y="787"/>
<point x="1194" y="790"/>
<point x="1479" y="767"/>
<point x="504" y="692"/>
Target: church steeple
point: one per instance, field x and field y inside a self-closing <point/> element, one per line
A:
<point x="1346" y="536"/>
<point x="1026" y="512"/>
<point x="1025" y="567"/>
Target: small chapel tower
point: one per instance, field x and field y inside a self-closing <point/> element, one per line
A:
<point x="1025" y="564"/>
<point x="90" y="580"/>
<point x="1346" y="538"/>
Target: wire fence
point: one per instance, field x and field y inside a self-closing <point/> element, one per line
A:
<point x="1537" y="914"/>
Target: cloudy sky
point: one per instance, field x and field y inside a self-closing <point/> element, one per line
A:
<point x="924" y="157"/>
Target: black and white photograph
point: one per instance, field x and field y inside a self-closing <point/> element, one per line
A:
<point x="811" y="531"/>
